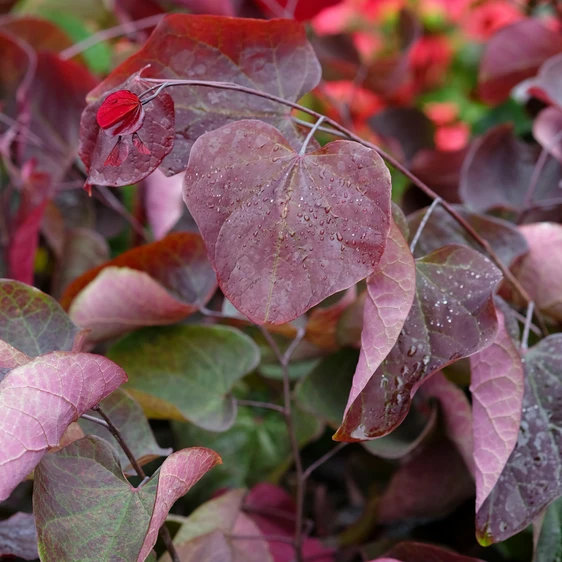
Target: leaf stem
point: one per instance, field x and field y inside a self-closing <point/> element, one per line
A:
<point x="302" y="151"/>
<point x="93" y="419"/>
<point x="383" y="154"/>
<point x="113" y="429"/>
<point x="319" y="462"/>
<point x="527" y="327"/>
<point x="423" y="222"/>
<point x="284" y="359"/>
<point x="265" y="405"/>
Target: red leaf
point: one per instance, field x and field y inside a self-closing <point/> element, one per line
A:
<point x="121" y="113"/>
<point x="118" y="154"/>
<point x="285" y="231"/>
<point x="302" y="9"/>
<point x="139" y="145"/>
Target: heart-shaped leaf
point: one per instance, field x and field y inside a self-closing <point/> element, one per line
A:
<point x="41" y="398"/>
<point x="158" y="283"/>
<point x="187" y="372"/>
<point x="126" y="523"/>
<point x="33" y="322"/>
<point x="531" y="478"/>
<point x="270" y="56"/>
<point x="283" y="230"/>
<point x="453" y="316"/>
<point x="497" y="397"/>
<point x="127" y="415"/>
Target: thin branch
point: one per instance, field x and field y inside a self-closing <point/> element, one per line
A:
<point x="323" y="459"/>
<point x="527" y="327"/>
<point x="302" y="151"/>
<point x="423" y="222"/>
<point x="93" y="419"/>
<point x="163" y="532"/>
<point x="383" y="154"/>
<point x="523" y="319"/>
<point x="111" y="33"/>
<point x="265" y="405"/>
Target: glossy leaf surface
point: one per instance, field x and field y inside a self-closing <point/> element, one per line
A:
<point x="285" y="231"/>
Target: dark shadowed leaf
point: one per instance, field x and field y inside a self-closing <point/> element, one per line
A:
<point x="254" y="449"/>
<point x="125" y="524"/>
<point x="531" y="479"/>
<point x="442" y="229"/>
<point x="429" y="485"/>
<point x="18" y="537"/>
<point x="187" y="372"/>
<point x="158" y="283"/>
<point x="271" y="56"/>
<point x="419" y="552"/>
<point x="497" y="397"/>
<point x="33" y="322"/>
<point x="350" y="323"/>
<point x="285" y="231"/>
<point x="540" y="271"/>
<point x="504" y="64"/>
<point x="497" y="173"/>
<point x="390" y="292"/>
<point x="453" y="316"/>
<point x="38" y="33"/>
<point x="41" y="398"/>
<point x="156" y="137"/>
<point x="127" y="415"/>
<point x="548" y="534"/>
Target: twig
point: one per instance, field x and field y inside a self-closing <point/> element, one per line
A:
<point x="111" y="33"/>
<point x="383" y="154"/>
<point x="93" y="419"/>
<point x="265" y="405"/>
<point x="527" y="327"/>
<point x="163" y="532"/>
<point x="284" y="359"/>
<point x="523" y="319"/>
<point x="423" y="222"/>
<point x="323" y="459"/>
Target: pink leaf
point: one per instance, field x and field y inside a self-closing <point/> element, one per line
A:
<point x="546" y="85"/>
<point x="547" y="128"/>
<point x="497" y="397"/>
<point x="285" y="231"/>
<point x="10" y="358"/>
<point x="390" y="293"/>
<point x="41" y="398"/>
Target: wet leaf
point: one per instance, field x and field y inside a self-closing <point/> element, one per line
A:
<point x="214" y="48"/>
<point x="497" y="396"/>
<point x="285" y="231"/>
<point x="18" y="537"/>
<point x="504" y="64"/>
<point x="187" y="372"/>
<point x="41" y="398"/>
<point x="453" y="316"/>
<point x="127" y="415"/>
<point x="530" y="480"/>
<point x="158" y="283"/>
<point x="33" y="322"/>
<point x="126" y="523"/>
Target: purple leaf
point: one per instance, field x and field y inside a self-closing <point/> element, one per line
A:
<point x="546" y="85"/>
<point x="127" y="415"/>
<point x="497" y="397"/>
<point x="531" y="479"/>
<point x="390" y="293"/>
<point x="497" y="173"/>
<point x="285" y="231"/>
<point x="18" y="537"/>
<point x="271" y="56"/>
<point x="157" y="134"/>
<point x="163" y="202"/>
<point x="547" y="128"/>
<point x="33" y="322"/>
<point x="453" y="316"/>
<point x="419" y="552"/>
<point x="10" y="358"/>
<point x="504" y="64"/>
<point x="41" y="398"/>
<point x="125" y="525"/>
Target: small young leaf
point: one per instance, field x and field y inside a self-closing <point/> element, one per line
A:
<point x="121" y="113"/>
<point x="41" y="398"/>
<point x="282" y="230"/>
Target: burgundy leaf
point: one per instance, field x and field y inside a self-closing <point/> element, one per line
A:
<point x="158" y="283"/>
<point x="129" y="158"/>
<point x="285" y="231"/>
<point x="497" y="397"/>
<point x="547" y="129"/>
<point x="419" y="552"/>
<point x="163" y="202"/>
<point x="41" y="398"/>
<point x="453" y="316"/>
<point x="301" y="9"/>
<point x="442" y="229"/>
<point x="121" y="113"/>
<point x="497" y="173"/>
<point x="546" y="85"/>
<point x="125" y="525"/>
<point x="429" y="485"/>
<point x="271" y="56"/>
<point x="33" y="322"/>
<point x="40" y="34"/>
<point x="504" y="64"/>
<point x="18" y="537"/>
<point x="390" y="293"/>
<point x="531" y="478"/>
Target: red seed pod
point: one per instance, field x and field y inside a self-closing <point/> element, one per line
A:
<point x="121" y="113"/>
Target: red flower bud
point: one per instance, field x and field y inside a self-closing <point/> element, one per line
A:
<point x="121" y="113"/>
